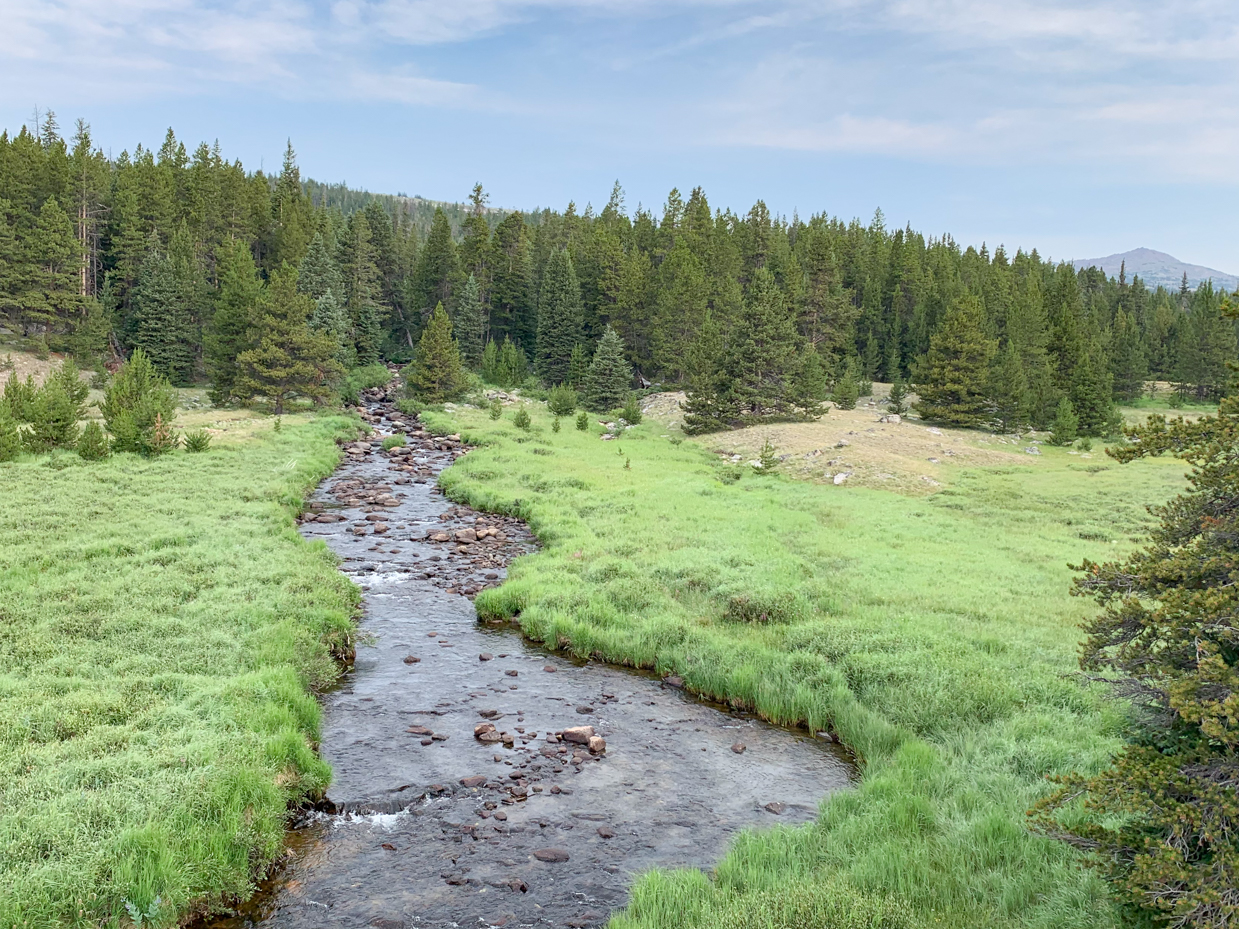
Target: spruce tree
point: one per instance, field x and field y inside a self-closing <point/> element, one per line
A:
<point x="163" y="328"/>
<point x="1129" y="363"/>
<point x="318" y="272"/>
<point x="897" y="402"/>
<point x="287" y="358"/>
<point x="578" y="366"/>
<point x="436" y="374"/>
<point x="1008" y="389"/>
<point x="952" y="383"/>
<point x="1066" y="426"/>
<point x="704" y="411"/>
<point x="437" y="273"/>
<point x="760" y="362"/>
<point x="560" y="318"/>
<point x="847" y="388"/>
<point x="609" y="378"/>
<point x="136" y="399"/>
<point x="10" y="436"/>
<point x="332" y="319"/>
<point x="1091" y="392"/>
<point x="226" y="336"/>
<point x="467" y="322"/>
<point x="513" y="365"/>
<point x="93" y="444"/>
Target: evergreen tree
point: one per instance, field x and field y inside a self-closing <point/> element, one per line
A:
<point x="10" y="436"/>
<point x="609" y="378"/>
<point x="559" y="318"/>
<point x="1066" y="425"/>
<point x="287" y="358"/>
<point x="467" y="322"/>
<point x="52" y="261"/>
<point x="578" y="366"/>
<point x="512" y="309"/>
<point x="1008" y="390"/>
<point x="437" y="273"/>
<point x="847" y="388"/>
<point x="513" y="365"/>
<point x="1161" y="820"/>
<point x="1091" y="392"/>
<point x="93" y="444"/>
<point x="136" y="399"/>
<point x="163" y="328"/>
<point x="360" y="273"/>
<point x="810" y="385"/>
<point x="1128" y="363"/>
<point x="436" y="374"/>
<point x="319" y="272"/>
<point x="707" y="380"/>
<point x="240" y="289"/>
<point x="897" y="403"/>
<point x="332" y="319"/>
<point x="952" y="383"/>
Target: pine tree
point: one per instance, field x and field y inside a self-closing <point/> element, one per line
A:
<point x="704" y="410"/>
<point x="897" y="402"/>
<point x="1008" y="389"/>
<point x="287" y="358"/>
<point x="318" y="271"/>
<point x="609" y="378"/>
<point x="437" y="273"/>
<point x="760" y="362"/>
<point x="10" y="436"/>
<point x="360" y="273"/>
<point x="952" y="384"/>
<point x="513" y="365"/>
<point x="467" y="322"/>
<point x="93" y="444"/>
<point x="847" y="387"/>
<point x="53" y="257"/>
<point x="1066" y="424"/>
<point x="240" y="290"/>
<point x="437" y="374"/>
<point x="560" y="318"/>
<point x="1128" y="361"/>
<point x="162" y="325"/>
<point x="1091" y="392"/>
<point x="136" y="398"/>
<point x="54" y="413"/>
<point x="512" y="309"/>
<point x="332" y="319"/>
<point x="578" y="366"/>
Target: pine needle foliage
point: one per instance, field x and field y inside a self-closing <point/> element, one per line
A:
<point x="437" y="374"/>
<point x="135" y="399"/>
<point x="609" y="379"/>
<point x="1162" y="821"/>
<point x="952" y="384"/>
<point x="560" y="318"/>
<point x="93" y="443"/>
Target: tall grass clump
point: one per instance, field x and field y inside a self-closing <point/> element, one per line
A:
<point x="163" y="629"/>
<point x="935" y="635"/>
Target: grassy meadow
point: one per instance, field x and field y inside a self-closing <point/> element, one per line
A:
<point x="163" y="629"/>
<point x="934" y="633"/>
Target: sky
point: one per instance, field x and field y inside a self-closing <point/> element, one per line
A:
<point x="1078" y="128"/>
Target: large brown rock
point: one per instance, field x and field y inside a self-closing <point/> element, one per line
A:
<point x="579" y="734"/>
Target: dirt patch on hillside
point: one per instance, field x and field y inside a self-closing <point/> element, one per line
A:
<point x="26" y="364"/>
<point x="855" y="447"/>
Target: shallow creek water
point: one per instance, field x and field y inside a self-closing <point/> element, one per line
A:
<point x="430" y="827"/>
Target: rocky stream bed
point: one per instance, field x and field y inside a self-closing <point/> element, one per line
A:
<point x="479" y="779"/>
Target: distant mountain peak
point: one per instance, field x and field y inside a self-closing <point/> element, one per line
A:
<point x="1154" y="268"/>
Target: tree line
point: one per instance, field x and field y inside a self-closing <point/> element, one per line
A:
<point x="758" y="316"/>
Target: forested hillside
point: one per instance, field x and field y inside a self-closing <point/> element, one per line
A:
<point x="166" y="250"/>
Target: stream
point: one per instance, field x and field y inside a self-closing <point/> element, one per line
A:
<point x="427" y="825"/>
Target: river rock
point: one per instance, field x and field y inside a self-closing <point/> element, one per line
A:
<point x="775" y="807"/>
<point x="419" y="730"/>
<point x="485" y="656"/>
<point x="606" y="832"/>
<point x="739" y="748"/>
<point x="476" y="781"/>
<point x="411" y="659"/>
<point x="597" y="745"/>
<point x="578" y="734"/>
<point x="550" y="854"/>
<point x="466" y="535"/>
<point x="482" y="729"/>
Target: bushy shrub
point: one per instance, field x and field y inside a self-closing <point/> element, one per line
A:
<point x="409" y="406"/>
<point x="521" y="419"/>
<point x="135" y="403"/>
<point x="393" y="441"/>
<point x="197" y="441"/>
<point x="562" y="400"/>
<point x="93" y="443"/>
<point x="163" y="438"/>
<point x="631" y="413"/>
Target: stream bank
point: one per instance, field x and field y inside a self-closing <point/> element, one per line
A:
<point x="429" y="826"/>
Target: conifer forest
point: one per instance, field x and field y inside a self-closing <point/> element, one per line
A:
<point x="691" y="566"/>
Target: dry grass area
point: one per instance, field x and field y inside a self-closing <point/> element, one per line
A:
<point x="856" y="448"/>
<point x="26" y="364"/>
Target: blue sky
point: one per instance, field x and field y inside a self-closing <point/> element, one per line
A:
<point x="1080" y="128"/>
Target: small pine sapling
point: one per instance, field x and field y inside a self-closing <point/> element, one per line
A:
<point x="582" y="421"/>
<point x="521" y="419"/>
<point x="555" y="424"/>
<point x="496" y="408"/>
<point x="631" y="413"/>
<point x="197" y="441"/>
<point x="627" y="464"/>
<point x="897" y="403"/>
<point x="767" y="460"/>
<point x="93" y="443"/>
<point x="562" y="400"/>
<point x="1066" y="424"/>
<point x="847" y="390"/>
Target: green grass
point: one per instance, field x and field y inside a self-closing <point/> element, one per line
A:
<point x="935" y="635"/>
<point x="162" y="630"/>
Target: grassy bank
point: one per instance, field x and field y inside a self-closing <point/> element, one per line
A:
<point x="934" y="634"/>
<point x="162" y="627"/>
